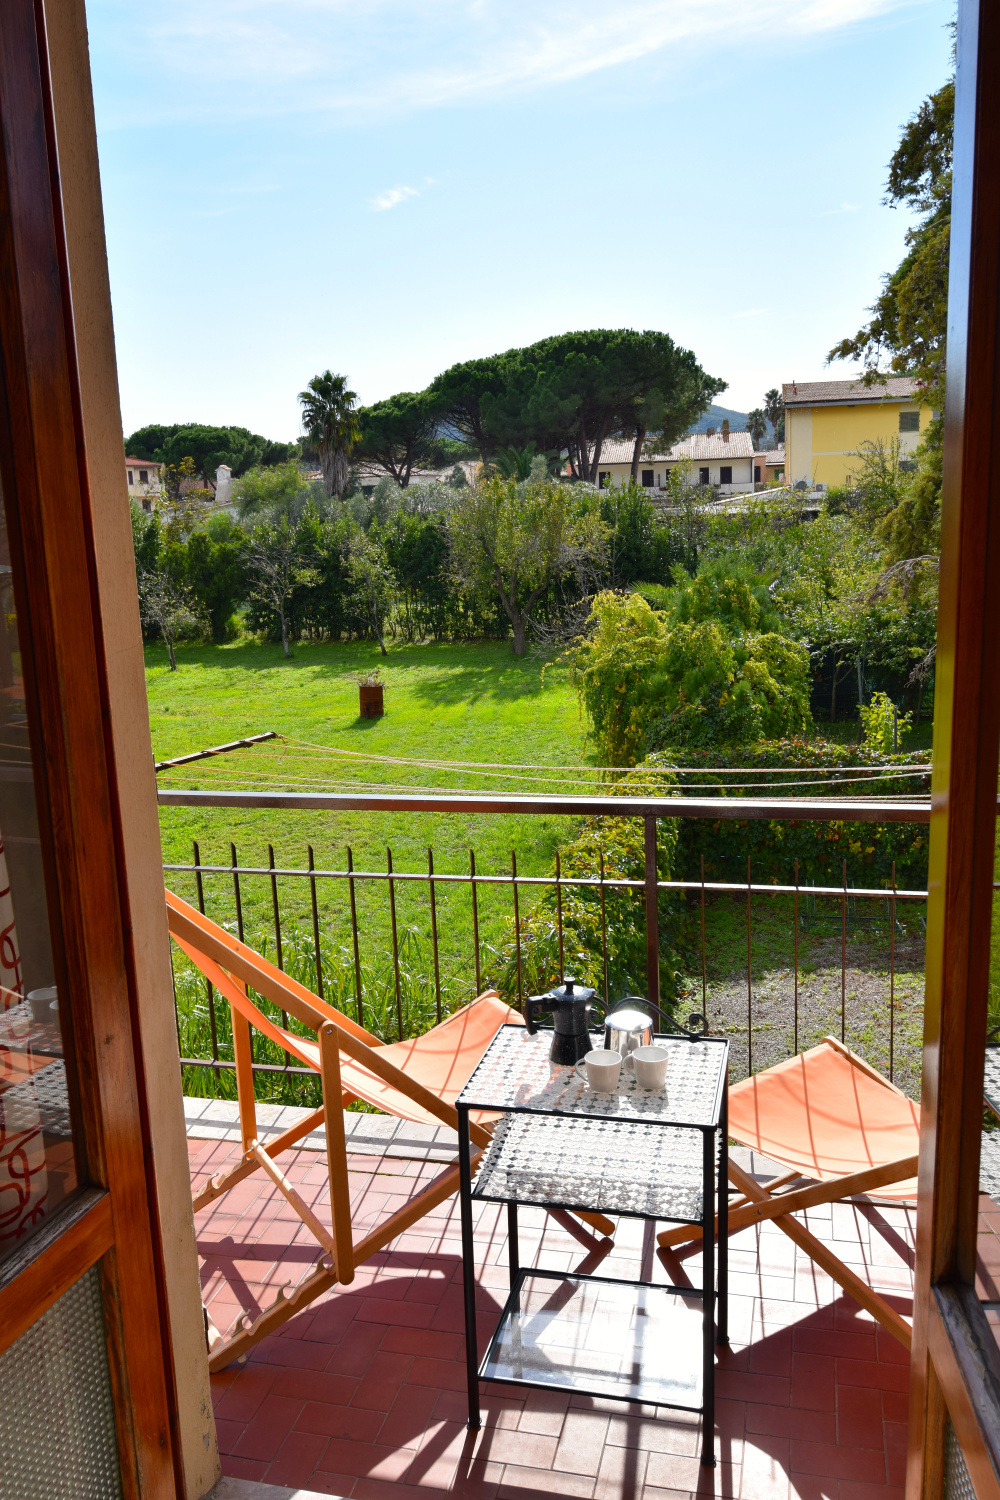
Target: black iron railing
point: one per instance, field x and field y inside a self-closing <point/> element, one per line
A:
<point x="382" y="1000"/>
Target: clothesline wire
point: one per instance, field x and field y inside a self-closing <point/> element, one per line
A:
<point x="487" y="765"/>
<point x="262" y="780"/>
<point x="219" y="769"/>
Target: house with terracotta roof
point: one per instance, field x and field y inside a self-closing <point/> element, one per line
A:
<point x="723" y="459"/>
<point x="826" y="422"/>
<point x="769" y="465"/>
<point x="142" y="476"/>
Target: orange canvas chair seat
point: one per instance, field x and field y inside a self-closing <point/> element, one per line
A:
<point x="826" y="1117"/>
<point x="442" y="1059"/>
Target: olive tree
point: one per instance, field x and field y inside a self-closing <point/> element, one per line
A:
<point x="374" y="583"/>
<point x="169" y="606"/>
<point x="512" y="540"/>
<point x="276" y="568"/>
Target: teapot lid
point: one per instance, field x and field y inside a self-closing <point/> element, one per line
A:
<point x="570" y="992"/>
<point x="628" y="1017"/>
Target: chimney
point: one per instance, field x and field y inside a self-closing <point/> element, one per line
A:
<point x="710" y="432"/>
<point x="725" y="429"/>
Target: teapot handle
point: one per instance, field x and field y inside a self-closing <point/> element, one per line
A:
<point x="534" y="1006"/>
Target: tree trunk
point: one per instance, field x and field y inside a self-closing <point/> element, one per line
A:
<point x="640" y="438"/>
<point x="326" y="463"/>
<point x="171" y="658"/>
<point x="583" y="463"/>
<point x="339" y="473"/>
<point x="284" y="632"/>
<point x="598" y="445"/>
<point x="833" y="691"/>
<point x="520" y="626"/>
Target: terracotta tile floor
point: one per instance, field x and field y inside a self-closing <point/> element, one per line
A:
<point x="363" y="1394"/>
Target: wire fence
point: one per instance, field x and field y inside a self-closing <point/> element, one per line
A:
<point x="772" y="966"/>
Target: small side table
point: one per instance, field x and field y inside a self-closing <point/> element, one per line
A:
<point x="638" y="1153"/>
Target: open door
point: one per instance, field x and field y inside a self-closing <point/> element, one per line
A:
<point x="88" y="1385"/>
<point x="955" y="1390"/>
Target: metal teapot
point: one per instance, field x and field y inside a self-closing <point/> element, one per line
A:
<point x="628" y="1027"/>
<point x="570" y="1005"/>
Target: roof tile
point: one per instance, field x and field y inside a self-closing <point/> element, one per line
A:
<point x="813" y="392"/>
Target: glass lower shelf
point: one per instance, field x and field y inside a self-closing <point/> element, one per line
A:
<point x="600" y="1338"/>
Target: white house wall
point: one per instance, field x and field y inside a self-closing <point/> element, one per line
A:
<point x="742" y="471"/>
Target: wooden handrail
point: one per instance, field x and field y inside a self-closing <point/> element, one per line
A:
<point x="804" y="809"/>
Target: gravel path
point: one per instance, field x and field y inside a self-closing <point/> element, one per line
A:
<point x="862" y="988"/>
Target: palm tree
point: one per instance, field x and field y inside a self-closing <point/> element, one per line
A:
<point x="757" y="426"/>
<point x="774" y="410"/>
<point x="329" y="420"/>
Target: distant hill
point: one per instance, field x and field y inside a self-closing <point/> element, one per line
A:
<point x="715" y="416"/>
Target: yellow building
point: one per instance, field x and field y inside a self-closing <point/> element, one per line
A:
<point x="826" y="421"/>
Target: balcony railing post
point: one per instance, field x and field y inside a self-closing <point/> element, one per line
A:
<point x="843" y="956"/>
<point x="276" y="909"/>
<point x="559" y="921"/>
<point x="395" y="945"/>
<point x="749" y="979"/>
<point x="238" y="899"/>
<point x="652" y="913"/>
<point x="209" y="988"/>
<point x="315" y="920"/>
<point x="604" y="932"/>
<point x="358" y="1002"/>
<point x="704" y="976"/>
<point x="434" y="931"/>
<point x="795" y="956"/>
<point x="892" y="974"/>
<point x="517" y="927"/>
<point x="475" y="918"/>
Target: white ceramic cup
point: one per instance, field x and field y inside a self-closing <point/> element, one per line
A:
<point x="649" y="1064"/>
<point x="603" y="1068"/>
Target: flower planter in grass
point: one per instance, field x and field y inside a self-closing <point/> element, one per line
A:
<point x="371" y="704"/>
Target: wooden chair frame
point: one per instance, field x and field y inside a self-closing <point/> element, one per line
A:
<point x="232" y="968"/>
<point x="779" y="1199"/>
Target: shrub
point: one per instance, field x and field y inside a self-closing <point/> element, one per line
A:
<point x="621" y="843"/>
<point x="649" y="681"/>
<point x="774" y="845"/>
<point x="882" y="725"/>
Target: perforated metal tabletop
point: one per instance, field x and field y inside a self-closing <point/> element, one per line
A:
<point x="516" y="1073"/>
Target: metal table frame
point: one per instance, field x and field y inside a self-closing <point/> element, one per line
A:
<point x="714" y="1300"/>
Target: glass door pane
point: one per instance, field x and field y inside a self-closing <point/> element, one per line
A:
<point x="38" y="1169"/>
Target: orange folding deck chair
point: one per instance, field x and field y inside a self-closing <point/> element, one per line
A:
<point x="415" y="1080"/>
<point x="829" y="1117"/>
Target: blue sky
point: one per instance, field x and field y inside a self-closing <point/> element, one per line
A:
<point x="386" y="188"/>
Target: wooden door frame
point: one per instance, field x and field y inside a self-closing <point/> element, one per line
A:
<point x="956" y="1369"/>
<point x="75" y="631"/>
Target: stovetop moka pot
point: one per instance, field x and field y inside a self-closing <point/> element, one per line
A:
<point x="570" y="1005"/>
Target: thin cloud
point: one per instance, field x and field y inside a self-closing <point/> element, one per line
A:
<point x="845" y="208"/>
<point x="752" y="312"/>
<point x="266" y="57"/>
<point x="391" y="197"/>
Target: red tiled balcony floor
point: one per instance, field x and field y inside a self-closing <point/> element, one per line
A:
<point x="363" y="1394"/>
